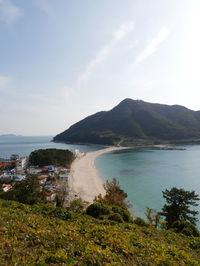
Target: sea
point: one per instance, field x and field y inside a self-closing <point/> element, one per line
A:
<point x="142" y="173"/>
<point x="145" y="173"/>
<point x="25" y="145"/>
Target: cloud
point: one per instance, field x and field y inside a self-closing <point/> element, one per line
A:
<point x="4" y="83"/>
<point x="9" y="12"/>
<point x="103" y="53"/>
<point x="123" y="30"/>
<point x="152" y="46"/>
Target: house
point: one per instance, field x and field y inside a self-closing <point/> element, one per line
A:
<point x="33" y="170"/>
<point x="44" y="169"/>
<point x="6" y="187"/>
<point x="6" y="177"/>
<point x="42" y="179"/>
<point x="49" y="187"/>
<point x="63" y="176"/>
<point x="50" y="168"/>
<point x="14" y="157"/>
<point x="50" y="196"/>
<point x="19" y="177"/>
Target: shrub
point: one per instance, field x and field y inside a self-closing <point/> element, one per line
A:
<point x="139" y="221"/>
<point x="50" y="211"/>
<point x="185" y="228"/>
<point x="116" y="217"/>
<point x="114" y="195"/>
<point x="26" y="191"/>
<point x="195" y="244"/>
<point x="125" y="214"/>
<point x="6" y="203"/>
<point x="97" y="209"/>
<point x="77" y="205"/>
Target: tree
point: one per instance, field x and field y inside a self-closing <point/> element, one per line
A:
<point x="26" y="191"/>
<point x="56" y="157"/>
<point x="61" y="194"/>
<point x="153" y="217"/>
<point x="77" y="205"/>
<point x="178" y="206"/>
<point x="114" y="195"/>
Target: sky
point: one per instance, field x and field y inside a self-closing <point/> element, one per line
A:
<point x="62" y="60"/>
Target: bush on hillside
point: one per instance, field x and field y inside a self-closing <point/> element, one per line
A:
<point x="97" y="209"/>
<point x="77" y="205"/>
<point x="116" y="217"/>
<point x="31" y="238"/>
<point x="51" y="211"/>
<point x="125" y="214"/>
<point x="139" y="221"/>
<point x="185" y="228"/>
<point x="114" y="195"/>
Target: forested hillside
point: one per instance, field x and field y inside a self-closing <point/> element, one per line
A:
<point x="132" y="120"/>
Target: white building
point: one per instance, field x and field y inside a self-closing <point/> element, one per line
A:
<point x="21" y="163"/>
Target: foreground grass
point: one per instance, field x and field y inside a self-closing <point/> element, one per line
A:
<point x="42" y="235"/>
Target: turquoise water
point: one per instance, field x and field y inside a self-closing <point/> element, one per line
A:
<point x="144" y="174"/>
<point x="25" y="145"/>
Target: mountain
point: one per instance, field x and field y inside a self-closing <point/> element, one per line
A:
<point x="134" y="120"/>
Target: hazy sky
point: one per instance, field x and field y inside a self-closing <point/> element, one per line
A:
<point x="61" y="60"/>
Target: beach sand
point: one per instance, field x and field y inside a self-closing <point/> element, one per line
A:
<point x="84" y="181"/>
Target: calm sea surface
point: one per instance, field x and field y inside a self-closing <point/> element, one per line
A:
<point x="25" y="145"/>
<point x="144" y="174"/>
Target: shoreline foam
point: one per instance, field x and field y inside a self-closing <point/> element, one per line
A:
<point x="84" y="181"/>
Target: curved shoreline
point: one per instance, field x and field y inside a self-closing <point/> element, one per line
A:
<point x="84" y="181"/>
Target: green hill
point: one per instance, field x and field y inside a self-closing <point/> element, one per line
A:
<point x="44" y="235"/>
<point x="132" y="120"/>
<point x="56" y="157"/>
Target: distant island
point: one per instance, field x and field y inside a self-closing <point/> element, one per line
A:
<point x="136" y="121"/>
<point x="10" y="135"/>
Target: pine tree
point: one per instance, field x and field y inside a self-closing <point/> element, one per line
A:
<point x="178" y="206"/>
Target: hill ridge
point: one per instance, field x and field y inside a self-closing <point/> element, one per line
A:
<point x="135" y="119"/>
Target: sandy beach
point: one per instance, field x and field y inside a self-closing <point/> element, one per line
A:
<point x="84" y="181"/>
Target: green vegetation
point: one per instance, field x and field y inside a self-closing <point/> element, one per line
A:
<point x="185" y="228"/>
<point x="139" y="221"/>
<point x="114" y="195"/>
<point x="56" y="157"/>
<point x="178" y="206"/>
<point x="132" y="121"/>
<point x="77" y="205"/>
<point x="44" y="235"/>
<point x="112" y="205"/>
<point x="103" y="234"/>
<point x="26" y="191"/>
<point x="97" y="210"/>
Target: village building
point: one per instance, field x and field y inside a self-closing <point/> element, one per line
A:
<point x="6" y="187"/>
